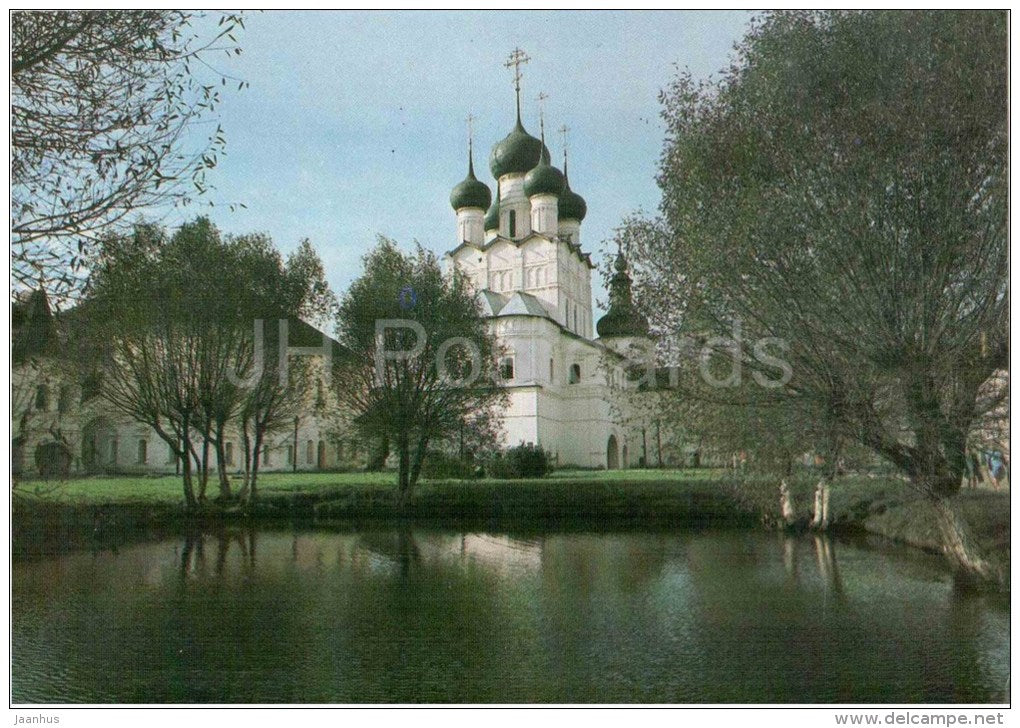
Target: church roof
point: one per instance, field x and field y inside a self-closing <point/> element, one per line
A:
<point x="517" y="303"/>
<point x="575" y="247"/>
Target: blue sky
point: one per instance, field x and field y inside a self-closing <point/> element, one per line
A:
<point x="354" y="122"/>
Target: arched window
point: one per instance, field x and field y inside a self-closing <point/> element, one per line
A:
<point x="310" y="452"/>
<point x="42" y="397"/>
<point x="575" y="373"/>
<point x="143" y="452"/>
<point x="511" y="222"/>
<point x="506" y="368"/>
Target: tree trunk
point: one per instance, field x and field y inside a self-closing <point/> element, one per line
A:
<point x="403" y="471"/>
<point x="248" y="457"/>
<point x="820" y="519"/>
<point x="786" y="504"/>
<point x="205" y="465"/>
<point x="189" y="493"/>
<point x="419" y="460"/>
<point x="253" y="480"/>
<point x="959" y="544"/>
<point x="221" y="463"/>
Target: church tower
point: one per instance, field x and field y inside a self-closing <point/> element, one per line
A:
<point x="525" y="239"/>
<point x="623" y="325"/>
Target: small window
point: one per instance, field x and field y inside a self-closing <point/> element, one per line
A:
<point x="228" y="453"/>
<point x="575" y="373"/>
<point x="506" y="368"/>
<point x="42" y="397"/>
<point x="64" y="399"/>
<point x="309" y="452"/>
<point x="143" y="452"/>
<point x="511" y="220"/>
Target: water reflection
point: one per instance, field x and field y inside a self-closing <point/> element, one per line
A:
<point x="400" y="615"/>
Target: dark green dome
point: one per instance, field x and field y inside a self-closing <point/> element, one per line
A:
<point x="616" y="323"/>
<point x="471" y="192"/>
<point x="492" y="216"/>
<point x="516" y="154"/>
<point x="623" y="317"/>
<point x="544" y="179"/>
<point x="571" y="206"/>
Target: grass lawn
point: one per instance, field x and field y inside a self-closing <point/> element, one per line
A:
<point x="168" y="488"/>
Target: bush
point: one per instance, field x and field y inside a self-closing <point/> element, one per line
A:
<point x="443" y="466"/>
<point x="523" y="461"/>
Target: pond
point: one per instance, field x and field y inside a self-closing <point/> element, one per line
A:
<point x="415" y="616"/>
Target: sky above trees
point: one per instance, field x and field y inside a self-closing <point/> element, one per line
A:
<point x="355" y="123"/>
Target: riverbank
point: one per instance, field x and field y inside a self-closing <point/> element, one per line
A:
<point x="80" y="513"/>
<point x="86" y="512"/>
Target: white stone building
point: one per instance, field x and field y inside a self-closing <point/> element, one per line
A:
<point x="522" y="252"/>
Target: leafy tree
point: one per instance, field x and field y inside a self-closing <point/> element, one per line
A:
<point x="172" y="323"/>
<point x="279" y="386"/>
<point x="842" y="190"/>
<point x="103" y="108"/>
<point x="415" y="381"/>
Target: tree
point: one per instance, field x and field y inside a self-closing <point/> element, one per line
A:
<point x="417" y="360"/>
<point x="841" y="193"/>
<point x="173" y="324"/>
<point x="279" y="386"/>
<point x="103" y="113"/>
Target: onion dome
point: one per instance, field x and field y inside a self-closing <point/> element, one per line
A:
<point x="471" y="192"/>
<point x="623" y="318"/>
<point x="544" y="179"/>
<point x="571" y="205"/>
<point x="492" y="216"/>
<point x="517" y="153"/>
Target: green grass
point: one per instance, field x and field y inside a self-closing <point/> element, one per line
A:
<point x="168" y="489"/>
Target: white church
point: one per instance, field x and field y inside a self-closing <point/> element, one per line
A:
<point x="521" y="249"/>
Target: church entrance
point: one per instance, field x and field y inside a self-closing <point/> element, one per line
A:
<point x="612" y="454"/>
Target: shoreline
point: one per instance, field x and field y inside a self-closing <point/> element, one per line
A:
<point x="873" y="507"/>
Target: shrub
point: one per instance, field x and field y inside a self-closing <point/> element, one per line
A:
<point x="526" y="460"/>
<point x="443" y="466"/>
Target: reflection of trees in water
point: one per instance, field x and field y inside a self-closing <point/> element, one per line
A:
<point x="968" y="627"/>
<point x="413" y="617"/>
<point x="398" y="547"/>
<point x="826" y="569"/>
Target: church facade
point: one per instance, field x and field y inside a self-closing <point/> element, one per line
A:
<point x="521" y="250"/>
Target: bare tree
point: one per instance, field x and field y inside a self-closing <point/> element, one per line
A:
<point x="103" y="112"/>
